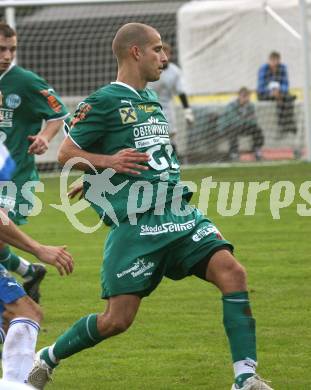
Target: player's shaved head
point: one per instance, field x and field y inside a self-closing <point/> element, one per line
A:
<point x="131" y="34"/>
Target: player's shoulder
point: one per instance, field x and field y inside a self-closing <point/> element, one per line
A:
<point x="151" y="94"/>
<point x="100" y="100"/>
<point x="26" y="74"/>
<point x="29" y="80"/>
<point x="102" y="94"/>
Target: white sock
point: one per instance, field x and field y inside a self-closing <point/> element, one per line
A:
<point x="247" y="366"/>
<point x="19" y="349"/>
<point x="23" y="266"/>
<point x="51" y="354"/>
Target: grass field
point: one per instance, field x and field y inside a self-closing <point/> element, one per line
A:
<point x="178" y="341"/>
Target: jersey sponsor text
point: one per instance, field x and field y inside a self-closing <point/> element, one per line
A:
<point x="168" y="227"/>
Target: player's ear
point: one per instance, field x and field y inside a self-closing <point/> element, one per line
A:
<point x="135" y="52"/>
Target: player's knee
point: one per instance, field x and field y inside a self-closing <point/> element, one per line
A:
<point x="226" y="272"/>
<point x="121" y="325"/>
<point x="113" y="325"/>
<point x="238" y="272"/>
<point x="231" y="268"/>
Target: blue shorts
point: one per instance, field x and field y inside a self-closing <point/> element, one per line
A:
<point x="10" y="289"/>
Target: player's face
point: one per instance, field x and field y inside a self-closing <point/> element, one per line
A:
<point x="154" y="58"/>
<point x="7" y="52"/>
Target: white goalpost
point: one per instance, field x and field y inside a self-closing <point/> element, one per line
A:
<point x="307" y="74"/>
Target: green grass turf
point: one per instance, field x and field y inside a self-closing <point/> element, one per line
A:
<point x="178" y="341"/>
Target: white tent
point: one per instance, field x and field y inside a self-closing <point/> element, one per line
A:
<point x="222" y="43"/>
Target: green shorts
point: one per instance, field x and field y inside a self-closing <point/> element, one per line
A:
<point x="138" y="257"/>
<point x="17" y="206"/>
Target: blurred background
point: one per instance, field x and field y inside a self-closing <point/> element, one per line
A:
<point x="219" y="46"/>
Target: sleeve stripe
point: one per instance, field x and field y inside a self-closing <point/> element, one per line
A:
<point x="74" y="141"/>
<point x="59" y="118"/>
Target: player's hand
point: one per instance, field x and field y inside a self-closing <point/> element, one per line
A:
<point x="39" y="144"/>
<point x="76" y="190"/>
<point x="189" y="116"/>
<point x="56" y="256"/>
<point x="129" y="161"/>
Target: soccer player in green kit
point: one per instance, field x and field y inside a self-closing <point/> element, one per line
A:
<point x="121" y="126"/>
<point x="27" y="100"/>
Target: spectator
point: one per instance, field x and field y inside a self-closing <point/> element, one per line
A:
<point x="273" y="84"/>
<point x="238" y="119"/>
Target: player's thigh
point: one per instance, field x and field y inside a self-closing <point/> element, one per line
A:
<point x="193" y="253"/>
<point x="22" y="307"/>
<point x="138" y="256"/>
<point x="135" y="255"/>
<point x="13" y="298"/>
<point x="131" y="272"/>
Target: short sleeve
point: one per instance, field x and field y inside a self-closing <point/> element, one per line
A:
<point x="44" y="100"/>
<point x="87" y="125"/>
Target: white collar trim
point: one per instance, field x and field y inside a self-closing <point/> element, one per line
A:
<point x="7" y="71"/>
<point x="126" y="86"/>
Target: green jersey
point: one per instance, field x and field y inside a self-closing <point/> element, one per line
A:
<point x="27" y="100"/>
<point x="117" y="117"/>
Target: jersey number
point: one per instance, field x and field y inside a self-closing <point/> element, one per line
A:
<point x="163" y="162"/>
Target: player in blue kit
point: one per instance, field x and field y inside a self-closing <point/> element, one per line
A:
<point x="21" y="314"/>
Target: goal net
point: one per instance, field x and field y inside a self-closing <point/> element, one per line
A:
<point x="220" y="46"/>
<point x="256" y="46"/>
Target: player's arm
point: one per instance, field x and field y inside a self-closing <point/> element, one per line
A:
<point x="88" y="128"/>
<point x="53" y="255"/>
<point x="40" y="142"/>
<point x="125" y="161"/>
<point x="46" y="105"/>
